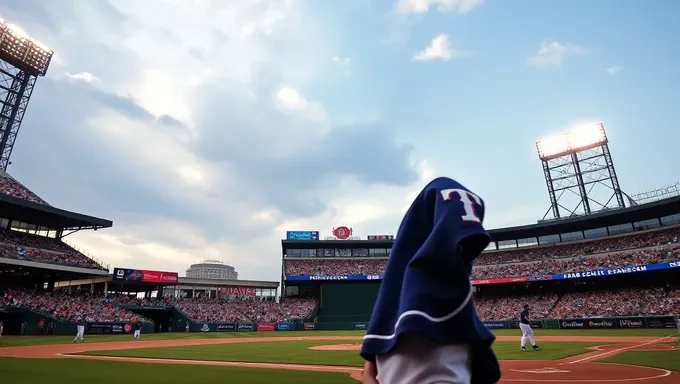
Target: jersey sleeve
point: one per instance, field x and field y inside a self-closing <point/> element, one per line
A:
<point x="457" y="219"/>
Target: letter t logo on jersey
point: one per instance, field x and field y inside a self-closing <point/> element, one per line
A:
<point x="465" y="197"/>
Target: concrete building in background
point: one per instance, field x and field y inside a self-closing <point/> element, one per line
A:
<point x="212" y="270"/>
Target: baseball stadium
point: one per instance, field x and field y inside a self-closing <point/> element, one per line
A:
<point x="600" y="272"/>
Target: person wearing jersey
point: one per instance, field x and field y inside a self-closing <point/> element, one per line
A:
<point x="527" y="332"/>
<point x="80" y="326"/>
<point x="138" y="331"/>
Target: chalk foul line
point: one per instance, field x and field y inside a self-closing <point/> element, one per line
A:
<point x="618" y="350"/>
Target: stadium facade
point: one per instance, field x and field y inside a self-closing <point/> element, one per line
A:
<point x="346" y="299"/>
<point x="212" y="269"/>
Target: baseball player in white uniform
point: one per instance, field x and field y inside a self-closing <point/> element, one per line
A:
<point x="81" y="330"/>
<point x="2" y="327"/>
<point x="527" y="332"/>
<point x="138" y="331"/>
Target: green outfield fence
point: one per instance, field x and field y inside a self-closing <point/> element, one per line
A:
<point x="60" y="327"/>
<point x="631" y="322"/>
<point x="347" y="302"/>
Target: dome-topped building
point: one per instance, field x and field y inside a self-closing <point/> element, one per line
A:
<point x="212" y="269"/>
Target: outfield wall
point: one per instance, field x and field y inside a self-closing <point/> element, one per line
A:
<point x="347" y="302"/>
<point x="640" y="322"/>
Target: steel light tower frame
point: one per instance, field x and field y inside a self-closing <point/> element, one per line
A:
<point x="22" y="61"/>
<point x="580" y="164"/>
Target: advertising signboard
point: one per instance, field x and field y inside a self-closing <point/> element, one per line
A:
<point x="144" y="276"/>
<point x="302" y="235"/>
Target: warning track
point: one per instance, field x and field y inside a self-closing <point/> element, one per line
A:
<point x="575" y="369"/>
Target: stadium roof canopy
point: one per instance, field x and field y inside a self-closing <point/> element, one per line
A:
<point x="56" y="271"/>
<point x="599" y="219"/>
<point x="42" y="215"/>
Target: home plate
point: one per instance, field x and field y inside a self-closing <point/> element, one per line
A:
<point x="541" y="370"/>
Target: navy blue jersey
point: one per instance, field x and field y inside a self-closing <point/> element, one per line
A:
<point x="138" y="326"/>
<point x="426" y="287"/>
<point x="524" y="317"/>
<point x="81" y="321"/>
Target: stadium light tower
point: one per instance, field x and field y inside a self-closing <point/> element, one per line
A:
<point x="22" y="60"/>
<point x="578" y="164"/>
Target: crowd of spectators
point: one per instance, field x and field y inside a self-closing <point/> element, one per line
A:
<point x="62" y="305"/>
<point x="600" y="303"/>
<point x="578" y="264"/>
<point x="246" y="310"/>
<point x="11" y="187"/>
<point x="588" y="247"/>
<point x="504" y="308"/>
<point x="623" y="252"/>
<point x="335" y="267"/>
<point x="26" y="246"/>
<point x="621" y="302"/>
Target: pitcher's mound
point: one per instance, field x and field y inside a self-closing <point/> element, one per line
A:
<point x="337" y="347"/>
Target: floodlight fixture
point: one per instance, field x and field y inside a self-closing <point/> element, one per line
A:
<point x="22" y="61"/>
<point x="581" y="137"/>
<point x="578" y="166"/>
<point x="22" y="51"/>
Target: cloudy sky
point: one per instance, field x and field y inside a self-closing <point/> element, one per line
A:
<point x="207" y="128"/>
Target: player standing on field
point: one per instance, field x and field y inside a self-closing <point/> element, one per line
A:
<point x="424" y="328"/>
<point x="138" y="331"/>
<point x="81" y="329"/>
<point x="525" y="326"/>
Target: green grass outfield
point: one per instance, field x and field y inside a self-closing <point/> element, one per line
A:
<point x="76" y="371"/>
<point x="73" y="371"/>
<point x="298" y="352"/>
<point x="46" y="340"/>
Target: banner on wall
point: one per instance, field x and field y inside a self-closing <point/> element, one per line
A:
<point x="246" y="327"/>
<point x="284" y="326"/>
<point x="265" y="327"/>
<point x="144" y="276"/>
<point x="308" y="326"/>
<point x="520" y="279"/>
<point x="117" y="328"/>
<point x="494" y="324"/>
<point x="635" y="322"/>
<point x="226" y="327"/>
<point x="380" y="237"/>
<point x="661" y="322"/>
<point x="302" y="235"/>
<point x="237" y="291"/>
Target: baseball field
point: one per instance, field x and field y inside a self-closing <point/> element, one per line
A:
<point x="585" y="356"/>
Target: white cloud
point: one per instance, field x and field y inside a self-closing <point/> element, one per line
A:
<point x="83" y="76"/>
<point x="202" y="134"/>
<point x="289" y="100"/>
<point x="423" y="6"/>
<point x="552" y="54"/>
<point x="613" y="70"/>
<point x="344" y="61"/>
<point x="440" y="49"/>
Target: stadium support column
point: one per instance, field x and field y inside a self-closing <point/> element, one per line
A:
<point x="581" y="186"/>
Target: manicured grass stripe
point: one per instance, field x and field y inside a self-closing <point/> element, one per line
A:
<point x="298" y="352"/>
<point x="75" y="371"/>
<point x="14" y="341"/>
